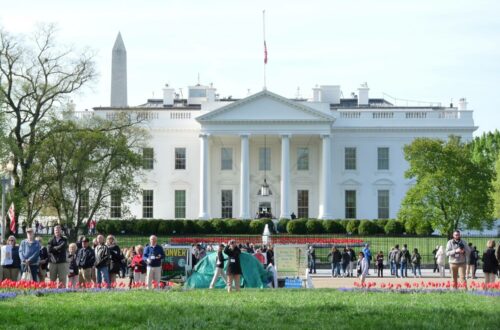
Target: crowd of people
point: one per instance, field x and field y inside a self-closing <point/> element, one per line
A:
<point x="80" y="263"/>
<point x="462" y="258"/>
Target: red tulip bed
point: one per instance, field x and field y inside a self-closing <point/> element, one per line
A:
<point x="274" y="240"/>
<point x="490" y="289"/>
<point x="11" y="289"/>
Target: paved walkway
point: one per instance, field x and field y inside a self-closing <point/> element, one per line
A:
<point x="323" y="279"/>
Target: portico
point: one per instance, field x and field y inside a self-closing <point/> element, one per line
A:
<point x="289" y="128"/>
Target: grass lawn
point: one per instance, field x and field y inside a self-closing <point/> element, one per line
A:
<point x="251" y="309"/>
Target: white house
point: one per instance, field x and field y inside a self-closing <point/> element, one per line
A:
<point x="328" y="157"/>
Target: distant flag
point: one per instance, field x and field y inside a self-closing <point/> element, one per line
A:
<point x="12" y="216"/>
<point x="265" y="52"/>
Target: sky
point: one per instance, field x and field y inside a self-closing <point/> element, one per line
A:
<point x="424" y="50"/>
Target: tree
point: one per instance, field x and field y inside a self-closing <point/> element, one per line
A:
<point x="452" y="190"/>
<point x="86" y="161"/>
<point x="37" y="76"/>
<point x="496" y="185"/>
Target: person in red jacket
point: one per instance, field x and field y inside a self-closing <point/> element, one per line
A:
<point x="138" y="265"/>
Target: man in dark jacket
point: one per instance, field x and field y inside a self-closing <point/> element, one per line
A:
<point x="44" y="260"/>
<point x="153" y="256"/>
<point x="85" y="259"/>
<point x="58" y="265"/>
<point x="102" y="259"/>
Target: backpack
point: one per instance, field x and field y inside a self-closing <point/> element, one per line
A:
<point x="404" y="255"/>
<point x="397" y="256"/>
<point x="416" y="259"/>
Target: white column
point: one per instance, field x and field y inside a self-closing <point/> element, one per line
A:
<point x="204" y="157"/>
<point x="285" y="177"/>
<point x="326" y="193"/>
<point x="244" y="179"/>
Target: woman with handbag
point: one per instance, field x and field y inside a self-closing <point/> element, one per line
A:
<point x="29" y="254"/>
<point x="233" y="270"/>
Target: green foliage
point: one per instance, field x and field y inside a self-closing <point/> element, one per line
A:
<point x="314" y="226"/>
<point x="204" y="227"/>
<point x="367" y="227"/>
<point x="183" y="227"/>
<point x="424" y="228"/>
<point x="257" y="227"/>
<point x="270" y="224"/>
<point x="394" y="227"/>
<point x="296" y="226"/>
<point x="219" y="226"/>
<point x="352" y="226"/>
<point x="496" y="187"/>
<point x="282" y="225"/>
<point x="451" y="189"/>
<point x="380" y="223"/>
<point x="235" y="226"/>
<point x="333" y="227"/>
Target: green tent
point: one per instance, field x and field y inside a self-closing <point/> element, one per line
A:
<point x="253" y="273"/>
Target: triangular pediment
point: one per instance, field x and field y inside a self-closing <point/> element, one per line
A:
<point x="350" y="182"/>
<point x="265" y="106"/>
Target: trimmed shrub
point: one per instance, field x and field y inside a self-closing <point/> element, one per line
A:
<point x="424" y="228"/>
<point x="219" y="226"/>
<point x="367" y="227"/>
<point x="282" y="225"/>
<point x="352" y="226"/>
<point x="393" y="227"/>
<point x="269" y="222"/>
<point x="314" y="227"/>
<point x="296" y="227"/>
<point x="164" y="227"/>
<point x="203" y="227"/>
<point x="179" y="227"/>
<point x="235" y="226"/>
<point x="380" y="223"/>
<point x="256" y="227"/>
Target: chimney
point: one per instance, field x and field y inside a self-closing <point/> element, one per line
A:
<point x="168" y="96"/>
<point x="316" y="94"/>
<point x="462" y="104"/>
<point x="330" y="94"/>
<point x="363" y="98"/>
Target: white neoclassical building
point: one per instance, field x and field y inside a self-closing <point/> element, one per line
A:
<point x="326" y="157"/>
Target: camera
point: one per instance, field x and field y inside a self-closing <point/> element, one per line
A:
<point x="461" y="246"/>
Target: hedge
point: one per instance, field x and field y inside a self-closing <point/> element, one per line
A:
<point x="256" y="227"/>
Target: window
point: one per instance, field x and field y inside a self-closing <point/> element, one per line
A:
<point x="180" y="204"/>
<point x="226" y="158"/>
<point x="265" y="159"/>
<point x="303" y="203"/>
<point x="180" y="158"/>
<point x="383" y="158"/>
<point x="350" y="158"/>
<point x="147" y="204"/>
<point x="147" y="158"/>
<point x="116" y="204"/>
<point x="83" y="204"/>
<point x="303" y="159"/>
<point x="350" y="204"/>
<point x="383" y="204"/>
<point x="227" y="204"/>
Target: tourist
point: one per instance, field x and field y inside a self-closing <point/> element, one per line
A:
<point x="199" y="252"/>
<point x="129" y="257"/>
<point x="498" y="257"/>
<point x="219" y="267"/>
<point x="335" y="258"/>
<point x="85" y="260"/>
<point x="346" y="259"/>
<point x="368" y="256"/>
<point x="102" y="260"/>
<point x="436" y="267"/>
<point x="311" y="256"/>
<point x="404" y="259"/>
<point x="43" y="261"/>
<point x="352" y="264"/>
<point x="441" y="260"/>
<point x="490" y="263"/>
<point x="270" y="255"/>
<point x="153" y="256"/>
<point x="396" y="260"/>
<point x="380" y="264"/>
<point x="10" y="260"/>
<point x="72" y="266"/>
<point x="233" y="269"/>
<point x="29" y="254"/>
<point x="362" y="267"/>
<point x="472" y="262"/>
<point x="457" y="251"/>
<point x="138" y="265"/>
<point x="416" y="260"/>
<point x="116" y="259"/>
<point x="58" y="267"/>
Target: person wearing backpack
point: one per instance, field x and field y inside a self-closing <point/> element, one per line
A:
<point x="404" y="258"/>
<point x="415" y="263"/>
<point x="472" y="263"/>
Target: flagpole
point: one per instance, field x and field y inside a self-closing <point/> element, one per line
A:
<point x="265" y="46"/>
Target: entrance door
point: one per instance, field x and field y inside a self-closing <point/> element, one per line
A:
<point x="265" y="210"/>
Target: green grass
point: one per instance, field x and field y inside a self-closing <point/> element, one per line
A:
<point x="251" y="309"/>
